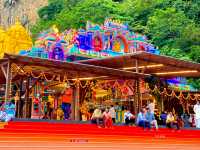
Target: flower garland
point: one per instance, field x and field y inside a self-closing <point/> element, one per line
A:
<point x="173" y="93"/>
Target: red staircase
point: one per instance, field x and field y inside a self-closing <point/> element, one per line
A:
<point x="44" y="135"/>
<point x="88" y="129"/>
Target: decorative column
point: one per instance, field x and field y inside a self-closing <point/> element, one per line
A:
<point x="137" y="89"/>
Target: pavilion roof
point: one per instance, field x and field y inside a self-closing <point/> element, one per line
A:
<point x="73" y="70"/>
<point x="159" y="65"/>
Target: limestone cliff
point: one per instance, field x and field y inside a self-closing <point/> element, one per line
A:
<point x="26" y="10"/>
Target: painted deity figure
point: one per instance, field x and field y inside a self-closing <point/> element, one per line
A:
<point x="117" y="46"/>
<point x="58" y="52"/>
<point x="97" y="44"/>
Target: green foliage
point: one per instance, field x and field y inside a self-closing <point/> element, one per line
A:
<point x="49" y="12"/>
<point x="172" y="25"/>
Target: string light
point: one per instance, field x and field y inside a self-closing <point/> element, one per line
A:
<point x="177" y="72"/>
<point x="141" y="67"/>
<point x="89" y="78"/>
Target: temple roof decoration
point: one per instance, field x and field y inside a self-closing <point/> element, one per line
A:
<point x="112" y="38"/>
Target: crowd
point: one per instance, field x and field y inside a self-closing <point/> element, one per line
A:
<point x="148" y="118"/>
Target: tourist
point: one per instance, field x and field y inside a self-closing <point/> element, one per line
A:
<point x="45" y="116"/>
<point x="192" y="120"/>
<point x="107" y="119"/>
<point x="112" y="113"/>
<point x="180" y="121"/>
<point x="141" y="119"/>
<point x="163" y="117"/>
<point x="129" y="117"/>
<point x="197" y="114"/>
<point x="66" y="102"/>
<point x="170" y="121"/>
<point x="186" y="117"/>
<point x="60" y="114"/>
<point x="151" y="106"/>
<point x="96" y="116"/>
<point x="50" y="106"/>
<point x="151" y="119"/>
<point x="157" y="117"/>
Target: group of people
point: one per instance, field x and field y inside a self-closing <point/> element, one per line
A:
<point x="63" y="111"/>
<point x="146" y="118"/>
<point x="7" y="111"/>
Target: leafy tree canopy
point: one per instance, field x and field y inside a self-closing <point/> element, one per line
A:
<point x="172" y="25"/>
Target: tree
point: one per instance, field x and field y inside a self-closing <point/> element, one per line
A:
<point x="165" y="27"/>
<point x="172" y="25"/>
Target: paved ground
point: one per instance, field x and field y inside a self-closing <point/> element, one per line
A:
<point x="12" y="141"/>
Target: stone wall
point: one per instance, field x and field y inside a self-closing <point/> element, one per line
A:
<point x="26" y="10"/>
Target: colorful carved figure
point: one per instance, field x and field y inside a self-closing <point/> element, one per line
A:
<point x="58" y="52"/>
<point x="110" y="39"/>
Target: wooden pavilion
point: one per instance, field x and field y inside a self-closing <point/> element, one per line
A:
<point x="135" y="66"/>
<point x="15" y="68"/>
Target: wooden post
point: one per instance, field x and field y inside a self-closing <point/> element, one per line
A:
<point x="20" y="105"/>
<point x="8" y="81"/>
<point x="27" y="98"/>
<point x="73" y="105"/>
<point x="138" y="95"/>
<point x="77" y="101"/>
<point x="162" y="103"/>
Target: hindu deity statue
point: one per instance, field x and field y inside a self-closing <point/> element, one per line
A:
<point x="3" y="36"/>
<point x="17" y="39"/>
<point x="58" y="52"/>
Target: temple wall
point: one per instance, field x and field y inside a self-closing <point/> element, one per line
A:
<point x="26" y="10"/>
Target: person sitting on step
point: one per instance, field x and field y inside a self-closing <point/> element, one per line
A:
<point x="129" y="117"/>
<point x="107" y="119"/>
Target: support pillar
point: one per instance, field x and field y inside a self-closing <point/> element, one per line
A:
<point x="27" y="98"/>
<point x="162" y="103"/>
<point x="138" y="102"/>
<point x="137" y="90"/>
<point x="7" y="73"/>
<point x="77" y="103"/>
<point x="20" y="111"/>
<point x="73" y="105"/>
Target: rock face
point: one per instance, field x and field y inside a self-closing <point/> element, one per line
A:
<point x="26" y="10"/>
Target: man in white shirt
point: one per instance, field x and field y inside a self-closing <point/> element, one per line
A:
<point x="151" y="106"/>
<point x="129" y="117"/>
<point x="96" y="116"/>
<point x="197" y="114"/>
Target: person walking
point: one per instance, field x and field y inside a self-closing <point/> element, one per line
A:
<point x="197" y="114"/>
<point x="151" y="106"/>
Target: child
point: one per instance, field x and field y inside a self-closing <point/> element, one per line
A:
<point x="60" y="114"/>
